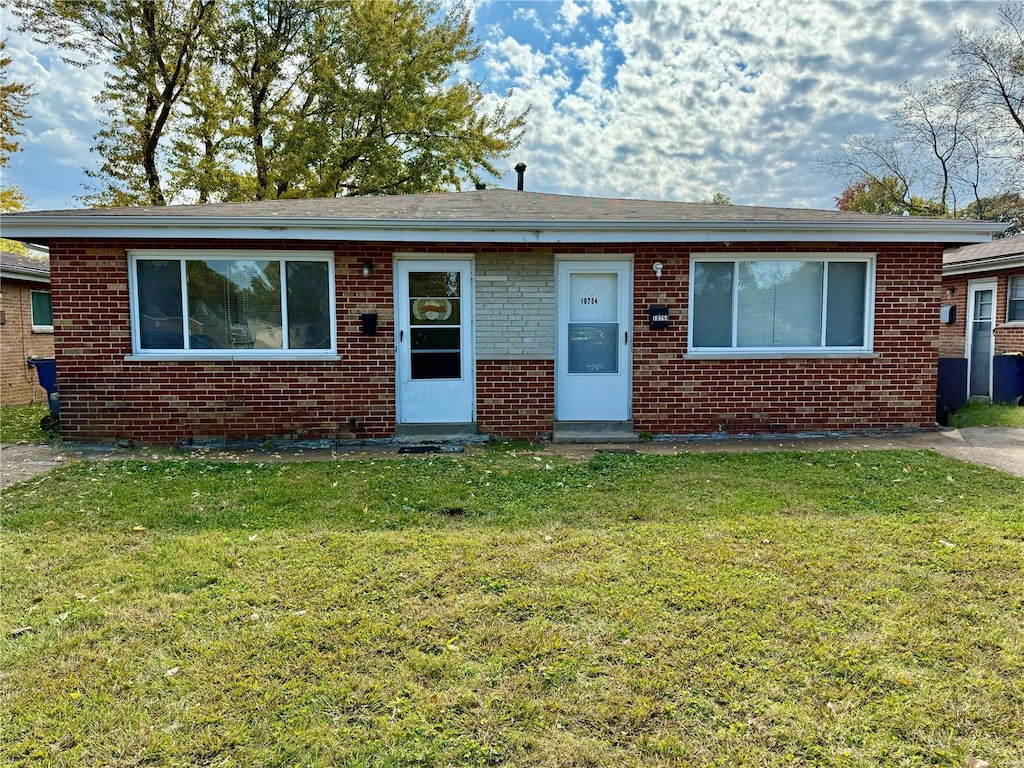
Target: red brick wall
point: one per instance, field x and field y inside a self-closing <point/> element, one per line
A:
<point x="893" y="389"/>
<point x="104" y="396"/>
<point x="1009" y="337"/>
<point x="19" y="384"/>
<point x="515" y="398"/>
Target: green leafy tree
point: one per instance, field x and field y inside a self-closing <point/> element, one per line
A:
<point x="1006" y="207"/>
<point x="887" y="195"/>
<point x="719" y="198"/>
<point x="149" y="47"/>
<point x="13" y="114"/>
<point x="258" y="99"/>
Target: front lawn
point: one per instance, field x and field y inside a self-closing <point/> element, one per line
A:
<point x="981" y="414"/>
<point x="809" y="609"/>
<point x="20" y="424"/>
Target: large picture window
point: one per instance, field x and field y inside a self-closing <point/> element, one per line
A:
<point x="208" y="303"/>
<point x="803" y="304"/>
<point x="1015" y="300"/>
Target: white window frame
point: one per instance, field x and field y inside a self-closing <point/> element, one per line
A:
<point x="184" y="255"/>
<point x="733" y="351"/>
<point x="1013" y="279"/>
<point x="38" y="327"/>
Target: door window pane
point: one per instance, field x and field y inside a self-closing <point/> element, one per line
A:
<point x="593" y="325"/>
<point x="436" y="365"/>
<point x="593" y="297"/>
<point x="593" y="348"/>
<point x="435" y="314"/>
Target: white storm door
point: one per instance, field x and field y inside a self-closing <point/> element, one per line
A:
<point x="593" y="380"/>
<point x="434" y="341"/>
<point x="981" y="302"/>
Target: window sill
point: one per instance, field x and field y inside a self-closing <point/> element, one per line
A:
<point x="1011" y="324"/>
<point x="228" y="357"/>
<point x="42" y="329"/>
<point x="787" y="355"/>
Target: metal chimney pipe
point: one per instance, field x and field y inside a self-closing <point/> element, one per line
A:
<point x="520" y="170"/>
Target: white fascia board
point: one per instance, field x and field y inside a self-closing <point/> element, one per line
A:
<point x="535" y="232"/>
<point x="1015" y="261"/>
<point x="32" y="276"/>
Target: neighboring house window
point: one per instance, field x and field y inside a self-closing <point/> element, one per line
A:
<point x="1015" y="300"/>
<point x="212" y="302"/>
<point x="42" y="312"/>
<point x="753" y="304"/>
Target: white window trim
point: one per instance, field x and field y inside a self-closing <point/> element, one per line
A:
<point x="32" y="311"/>
<point x="1009" y="291"/>
<point x="734" y="352"/>
<point x="224" y="355"/>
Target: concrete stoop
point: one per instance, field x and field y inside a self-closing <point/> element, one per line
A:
<point x="594" y="432"/>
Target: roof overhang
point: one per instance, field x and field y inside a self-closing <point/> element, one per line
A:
<point x="28" y="275"/>
<point x="1013" y="261"/>
<point x="46" y="227"/>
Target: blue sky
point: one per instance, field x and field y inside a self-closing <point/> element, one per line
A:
<point x="641" y="99"/>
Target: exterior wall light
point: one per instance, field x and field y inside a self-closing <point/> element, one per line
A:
<point x="658" y="266"/>
<point x="367" y="268"/>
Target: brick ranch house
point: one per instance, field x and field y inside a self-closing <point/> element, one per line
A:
<point x="492" y="311"/>
<point x="983" y="317"/>
<point x="26" y="325"/>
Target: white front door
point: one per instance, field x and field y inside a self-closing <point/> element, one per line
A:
<point x="593" y="380"/>
<point x="434" y="341"/>
<point x="981" y="303"/>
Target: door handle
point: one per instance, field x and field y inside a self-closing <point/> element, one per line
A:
<point x="401" y="336"/>
<point x="625" y="339"/>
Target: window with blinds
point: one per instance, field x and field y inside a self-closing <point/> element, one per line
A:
<point x="211" y="303"/>
<point x="799" y="303"/>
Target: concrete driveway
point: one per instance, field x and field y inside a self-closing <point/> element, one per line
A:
<point x="1001" y="448"/>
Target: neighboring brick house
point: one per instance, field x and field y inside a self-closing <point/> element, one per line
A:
<point x="984" y="284"/>
<point x="26" y="325"/>
<point x="517" y="314"/>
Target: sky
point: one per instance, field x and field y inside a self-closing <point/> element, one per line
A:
<point x="658" y="100"/>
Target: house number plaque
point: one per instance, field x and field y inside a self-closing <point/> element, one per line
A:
<point x="658" y="315"/>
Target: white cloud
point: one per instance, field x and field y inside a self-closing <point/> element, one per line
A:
<point x="639" y="98"/>
<point x="720" y="96"/>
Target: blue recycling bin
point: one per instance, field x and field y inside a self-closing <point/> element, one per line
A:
<point x="46" y="370"/>
<point x="1008" y="378"/>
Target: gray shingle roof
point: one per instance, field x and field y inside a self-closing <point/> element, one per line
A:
<point x="489" y="215"/>
<point x="16" y="262"/>
<point x="997" y="249"/>
<point x="478" y="205"/>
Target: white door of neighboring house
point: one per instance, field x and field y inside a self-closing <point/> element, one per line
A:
<point x="981" y="302"/>
<point x="594" y="374"/>
<point x="434" y="341"/>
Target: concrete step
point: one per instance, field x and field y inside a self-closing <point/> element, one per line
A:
<point x="594" y="432"/>
<point x="434" y="433"/>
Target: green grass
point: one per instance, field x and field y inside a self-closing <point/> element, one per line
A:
<point x="20" y="424"/>
<point x="980" y="414"/>
<point x="503" y="608"/>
